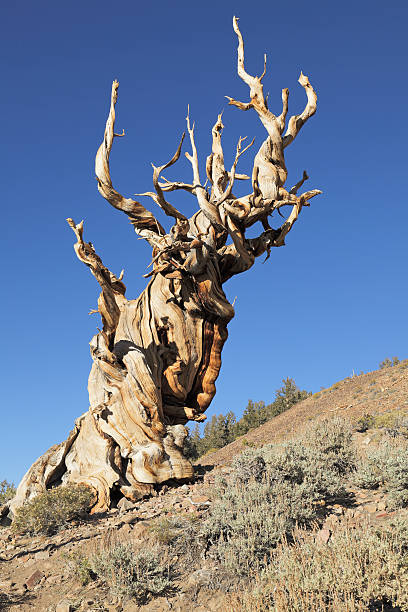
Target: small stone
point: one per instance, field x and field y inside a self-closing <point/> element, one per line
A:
<point x="6" y="584"/>
<point x="64" y="606"/>
<point x="125" y="504"/>
<point x="184" y="489"/>
<point x="20" y="591"/>
<point x="34" y="579"/>
<point x="140" y="530"/>
<point x="42" y="554"/>
<point x="381" y="505"/>
<point x="199" y="499"/>
<point x="130" y="520"/>
<point x="324" y="535"/>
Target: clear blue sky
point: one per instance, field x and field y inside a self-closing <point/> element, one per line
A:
<point x="333" y="300"/>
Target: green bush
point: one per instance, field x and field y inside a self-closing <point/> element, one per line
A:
<point x="52" y="509"/>
<point x="131" y="573"/>
<point x="357" y="570"/>
<point x="7" y="491"/>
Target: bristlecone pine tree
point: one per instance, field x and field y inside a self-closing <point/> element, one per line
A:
<point x="156" y="359"/>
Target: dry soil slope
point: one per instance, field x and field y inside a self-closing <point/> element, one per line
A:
<point x="378" y="392"/>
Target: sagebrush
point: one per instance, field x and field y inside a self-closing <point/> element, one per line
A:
<point x="272" y="490"/>
<point x="356" y="571"/>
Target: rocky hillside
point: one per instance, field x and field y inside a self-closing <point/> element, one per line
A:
<point x="52" y="573"/>
<point x="382" y="392"/>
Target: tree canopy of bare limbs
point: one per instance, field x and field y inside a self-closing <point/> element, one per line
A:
<point x="156" y="358"/>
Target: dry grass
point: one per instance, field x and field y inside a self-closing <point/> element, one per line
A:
<point x="358" y="570"/>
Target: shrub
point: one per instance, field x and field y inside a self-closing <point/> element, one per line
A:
<point x="386" y="466"/>
<point x="133" y="573"/>
<point x="253" y="510"/>
<point x="7" y="491"/>
<point x="357" y="570"/>
<point x="249" y="464"/>
<point x="396" y="477"/>
<point x="80" y="565"/>
<point x="365" y="422"/>
<point x="52" y="509"/>
<point x="369" y="474"/>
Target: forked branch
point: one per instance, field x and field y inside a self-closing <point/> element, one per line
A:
<point x="144" y="221"/>
<point x="296" y="122"/>
<point x="208" y="208"/>
<point x="158" y="197"/>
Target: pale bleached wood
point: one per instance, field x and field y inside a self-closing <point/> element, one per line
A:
<point x="156" y="358"/>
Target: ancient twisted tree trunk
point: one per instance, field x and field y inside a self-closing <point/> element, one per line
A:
<point x="156" y="359"/>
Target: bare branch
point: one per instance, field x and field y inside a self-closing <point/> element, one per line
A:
<point x="298" y="185"/>
<point x="282" y="117"/>
<point x="296" y="122"/>
<point x="238" y="154"/>
<point x="241" y="105"/>
<point x="161" y="200"/>
<point x="176" y="185"/>
<point x="208" y="208"/>
<point x="113" y="289"/>
<point x="144" y="221"/>
<point x="215" y="168"/>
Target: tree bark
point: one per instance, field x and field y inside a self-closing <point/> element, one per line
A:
<point x="157" y="358"/>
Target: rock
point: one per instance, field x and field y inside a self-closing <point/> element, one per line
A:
<point x="125" y="529"/>
<point x="42" y="554"/>
<point x="64" y="606"/>
<point x="140" y="530"/>
<point x="199" y="578"/>
<point x="200" y="501"/>
<point x="5" y="521"/>
<point x="381" y="505"/>
<point x="131" y="520"/>
<point x="6" y="584"/>
<point x="125" y="504"/>
<point x="184" y="489"/>
<point x="324" y="535"/>
<point x="34" y="579"/>
<point x="54" y="579"/>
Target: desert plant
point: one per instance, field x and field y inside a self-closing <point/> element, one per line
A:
<point x="7" y="491"/>
<point x="52" y="509"/>
<point x="80" y="566"/>
<point x="369" y="474"/>
<point x="357" y="570"/>
<point x="132" y="573"/>
<point x="386" y="466"/>
<point x="251" y="513"/>
<point x="365" y="422"/>
<point x="248" y="465"/>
